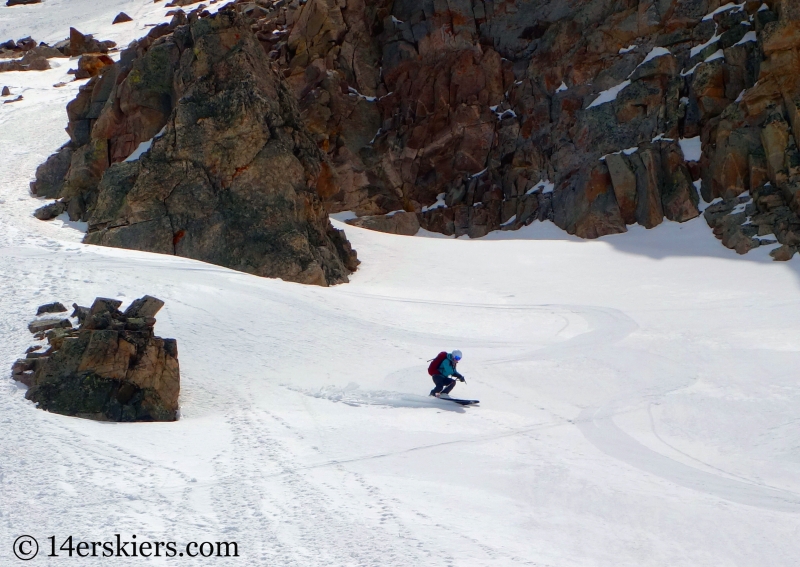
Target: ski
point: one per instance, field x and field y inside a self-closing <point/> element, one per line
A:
<point x="462" y="402"/>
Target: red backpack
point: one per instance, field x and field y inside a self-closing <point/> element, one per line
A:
<point x="433" y="367"/>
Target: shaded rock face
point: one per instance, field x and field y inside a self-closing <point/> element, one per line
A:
<point x="756" y="218"/>
<point x="110" y="368"/>
<point x="477" y="102"/>
<point x="403" y="223"/>
<point x="229" y="172"/>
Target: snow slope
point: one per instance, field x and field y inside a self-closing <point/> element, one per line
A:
<point x="638" y="394"/>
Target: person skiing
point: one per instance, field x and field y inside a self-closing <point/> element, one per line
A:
<point x="442" y="375"/>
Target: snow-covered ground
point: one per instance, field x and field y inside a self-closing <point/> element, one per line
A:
<point x="639" y="394"/>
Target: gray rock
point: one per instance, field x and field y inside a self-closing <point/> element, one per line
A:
<point x="55" y="307"/>
<point x="31" y="61"/>
<point x="22" y="365"/>
<point x="44" y="324"/>
<point x="783" y="253"/>
<point x="144" y="307"/>
<point x="51" y="174"/>
<point x="104" y="304"/>
<point x="80" y="312"/>
<point x="403" y="223"/>
<point x="51" y="211"/>
<point x="624" y="181"/>
<point x="23" y="371"/>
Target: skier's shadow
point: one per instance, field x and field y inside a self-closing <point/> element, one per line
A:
<point x="412" y="379"/>
<point x="402" y="400"/>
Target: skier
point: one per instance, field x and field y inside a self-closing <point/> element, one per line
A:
<point x="442" y="367"/>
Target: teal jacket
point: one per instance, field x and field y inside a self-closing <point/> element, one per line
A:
<point x="448" y="367"/>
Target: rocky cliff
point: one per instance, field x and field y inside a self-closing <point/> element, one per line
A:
<point x="192" y="145"/>
<point x="466" y="116"/>
<point x="478" y="115"/>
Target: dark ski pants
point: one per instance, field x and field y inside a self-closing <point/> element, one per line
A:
<point x="443" y="384"/>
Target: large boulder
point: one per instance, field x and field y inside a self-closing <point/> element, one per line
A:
<point x="111" y="368"/>
<point x="90" y="65"/>
<point x="55" y="307"/>
<point x="193" y="145"/>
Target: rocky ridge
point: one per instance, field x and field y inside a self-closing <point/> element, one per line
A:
<point x="192" y="145"/>
<point x="477" y="116"/>
<point x="111" y="367"/>
<point x="469" y="116"/>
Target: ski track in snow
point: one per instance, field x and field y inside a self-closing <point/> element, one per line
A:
<point x="638" y="393"/>
<point x="597" y="424"/>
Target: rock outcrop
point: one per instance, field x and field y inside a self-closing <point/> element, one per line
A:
<point x="478" y="115"/>
<point x="402" y="222"/>
<point x="26" y="55"/>
<point x="110" y="368"/>
<point x="32" y="60"/>
<point x="481" y="104"/>
<point x="751" y="159"/>
<point x="192" y="145"/>
<point x="79" y="43"/>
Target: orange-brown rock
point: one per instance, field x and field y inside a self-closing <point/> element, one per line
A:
<point x="90" y="65"/>
<point x="475" y="103"/>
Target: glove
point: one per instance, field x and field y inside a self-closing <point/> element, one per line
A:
<point x="461" y="379"/>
